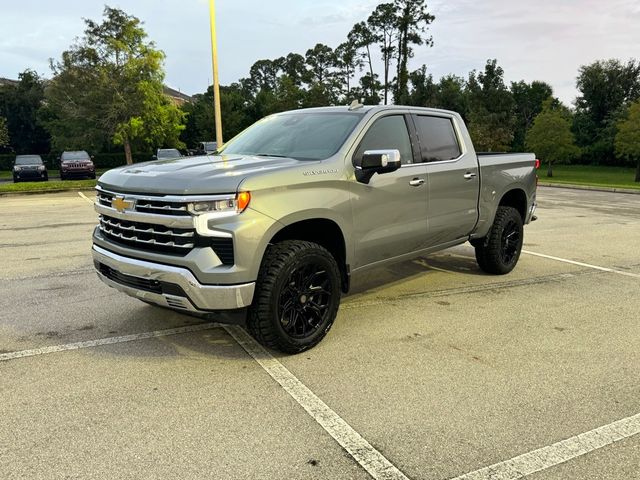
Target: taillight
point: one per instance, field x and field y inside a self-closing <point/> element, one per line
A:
<point x="537" y="164"/>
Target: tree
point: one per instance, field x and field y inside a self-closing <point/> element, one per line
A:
<point x="200" y="115"/>
<point x="362" y="39"/>
<point x="451" y="95"/>
<point x="20" y="105"/>
<point x="293" y="65"/>
<point x="424" y="91"/>
<point x="108" y="88"/>
<point x="320" y="61"/>
<point x="550" y="137"/>
<point x="383" y="25"/>
<point x="627" y="141"/>
<point x="528" y="98"/>
<point x="4" y="133"/>
<point x="490" y="116"/>
<point x="263" y="74"/>
<point x="347" y="61"/>
<point x="606" y="88"/>
<point x="413" y="20"/>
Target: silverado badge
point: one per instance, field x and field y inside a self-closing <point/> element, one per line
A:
<point x="120" y="204"/>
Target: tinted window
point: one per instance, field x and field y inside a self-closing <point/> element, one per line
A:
<point x="28" y="160"/>
<point x="166" y="153"/>
<point x="303" y="136"/>
<point x="82" y="155"/>
<point x="388" y="133"/>
<point x="438" y="139"/>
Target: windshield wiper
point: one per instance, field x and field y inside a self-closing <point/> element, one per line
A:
<point x="270" y="155"/>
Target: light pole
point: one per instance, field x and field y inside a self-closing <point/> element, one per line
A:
<point x="216" y="83"/>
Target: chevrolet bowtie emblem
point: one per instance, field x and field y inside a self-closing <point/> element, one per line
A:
<point x="120" y="204"/>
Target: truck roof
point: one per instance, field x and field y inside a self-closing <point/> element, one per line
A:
<point x="370" y="108"/>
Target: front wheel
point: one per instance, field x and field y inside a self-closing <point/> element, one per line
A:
<point x="499" y="252"/>
<point x="297" y="296"/>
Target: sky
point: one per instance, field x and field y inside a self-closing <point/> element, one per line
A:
<point x="533" y="40"/>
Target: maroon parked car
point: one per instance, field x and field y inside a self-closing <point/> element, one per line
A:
<point x="76" y="164"/>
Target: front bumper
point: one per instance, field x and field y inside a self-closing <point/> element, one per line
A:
<point x="33" y="174"/>
<point x="168" y="286"/>
<point x="78" y="172"/>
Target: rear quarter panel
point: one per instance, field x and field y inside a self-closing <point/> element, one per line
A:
<point x="499" y="174"/>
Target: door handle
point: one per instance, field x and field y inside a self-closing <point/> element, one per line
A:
<point x="416" y="182"/>
<point x="469" y="175"/>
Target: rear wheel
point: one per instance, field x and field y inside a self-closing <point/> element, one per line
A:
<point x="297" y="296"/>
<point x="499" y="252"/>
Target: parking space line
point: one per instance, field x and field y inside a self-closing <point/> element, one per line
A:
<point x="580" y="264"/>
<point x="362" y="451"/>
<point x="560" y="452"/>
<point x="107" y="341"/>
<point x="82" y="195"/>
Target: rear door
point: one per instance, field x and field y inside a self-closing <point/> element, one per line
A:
<point x="389" y="213"/>
<point x="453" y="178"/>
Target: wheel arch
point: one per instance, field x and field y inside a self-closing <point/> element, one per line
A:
<point x="516" y="198"/>
<point x="323" y="231"/>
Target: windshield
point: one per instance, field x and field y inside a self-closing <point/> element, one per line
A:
<point x="303" y="136"/>
<point x="28" y="160"/>
<point x="168" y="153"/>
<point x="82" y="155"/>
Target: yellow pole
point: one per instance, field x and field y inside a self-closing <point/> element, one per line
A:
<point x="216" y="83"/>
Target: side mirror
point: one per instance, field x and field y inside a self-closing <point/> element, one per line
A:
<point x="92" y="157"/>
<point x="154" y="157"/>
<point x="382" y="161"/>
<point x="377" y="161"/>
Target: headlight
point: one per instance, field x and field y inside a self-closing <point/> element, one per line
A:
<point x="206" y="213"/>
<point x="231" y="205"/>
<point x="41" y="168"/>
<point x="17" y="169"/>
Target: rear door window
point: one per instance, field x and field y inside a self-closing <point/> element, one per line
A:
<point x="438" y="139"/>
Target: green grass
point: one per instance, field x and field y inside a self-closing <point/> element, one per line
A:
<point x="46" y="186"/>
<point x="52" y="173"/>
<point x="613" y="177"/>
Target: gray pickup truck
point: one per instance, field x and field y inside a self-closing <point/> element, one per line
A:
<point x="276" y="223"/>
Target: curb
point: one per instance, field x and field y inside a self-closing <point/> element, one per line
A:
<point x="590" y="187"/>
<point x="41" y="192"/>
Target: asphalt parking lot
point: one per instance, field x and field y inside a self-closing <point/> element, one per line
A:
<point x="433" y="369"/>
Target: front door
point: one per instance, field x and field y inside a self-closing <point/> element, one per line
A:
<point x="389" y="213"/>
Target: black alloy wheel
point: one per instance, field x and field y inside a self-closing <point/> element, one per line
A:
<point x="304" y="300"/>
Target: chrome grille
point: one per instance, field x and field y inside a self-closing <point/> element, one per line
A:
<point x="147" y="236"/>
<point x="157" y="223"/>
<point x="146" y="205"/>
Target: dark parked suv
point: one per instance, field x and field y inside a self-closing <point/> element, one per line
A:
<point x="29" y="167"/>
<point x="76" y="164"/>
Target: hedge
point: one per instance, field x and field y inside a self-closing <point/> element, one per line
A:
<point x="101" y="160"/>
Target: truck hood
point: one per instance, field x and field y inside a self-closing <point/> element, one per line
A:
<point x="201" y="175"/>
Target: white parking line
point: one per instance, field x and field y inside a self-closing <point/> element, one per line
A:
<point x="580" y="264"/>
<point x="107" y="341"/>
<point x="560" y="452"/>
<point x="361" y="450"/>
<point x="82" y="195"/>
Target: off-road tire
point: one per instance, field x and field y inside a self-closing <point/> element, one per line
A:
<point x="499" y="252"/>
<point x="280" y="261"/>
